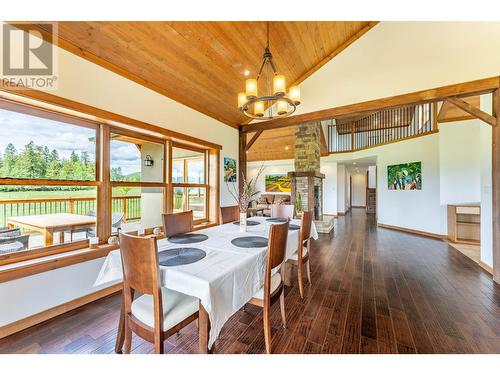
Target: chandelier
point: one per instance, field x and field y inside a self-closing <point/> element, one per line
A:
<point x="277" y="101"/>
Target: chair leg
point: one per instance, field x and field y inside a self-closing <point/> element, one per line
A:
<point x="158" y="345"/>
<point x="267" y="329"/>
<point x="299" y="276"/>
<point x="282" y="307"/>
<point x="308" y="268"/>
<point x="128" y="338"/>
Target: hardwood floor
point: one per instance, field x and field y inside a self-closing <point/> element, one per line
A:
<point x="374" y="291"/>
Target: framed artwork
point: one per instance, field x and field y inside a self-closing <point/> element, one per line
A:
<point x="229" y="170"/>
<point x="278" y="183"/>
<point x="405" y="176"/>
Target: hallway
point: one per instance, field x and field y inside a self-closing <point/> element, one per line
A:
<point x="376" y="290"/>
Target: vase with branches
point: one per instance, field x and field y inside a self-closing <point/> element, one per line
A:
<point x="245" y="196"/>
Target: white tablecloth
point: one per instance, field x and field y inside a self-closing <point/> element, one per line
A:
<point x="225" y="279"/>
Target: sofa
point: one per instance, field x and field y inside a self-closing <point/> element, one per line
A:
<point x="265" y="201"/>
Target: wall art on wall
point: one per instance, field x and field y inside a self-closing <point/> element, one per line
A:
<point x="278" y="183"/>
<point x="406" y="176"/>
<point x="229" y="170"/>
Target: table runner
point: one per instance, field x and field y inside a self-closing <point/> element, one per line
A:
<point x="224" y="280"/>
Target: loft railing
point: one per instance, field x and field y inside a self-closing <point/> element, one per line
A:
<point x="386" y="126"/>
<point x="129" y="205"/>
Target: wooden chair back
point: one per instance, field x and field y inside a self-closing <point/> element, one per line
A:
<point x="305" y="226"/>
<point x="282" y="210"/>
<point x="229" y="214"/>
<point x="140" y="263"/>
<point x="276" y="248"/>
<point x="178" y="223"/>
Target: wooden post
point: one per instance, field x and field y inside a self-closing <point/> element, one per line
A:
<point x="352" y="137"/>
<point x="242" y="158"/>
<point x="124" y="209"/>
<point x="104" y="209"/>
<point x="71" y="206"/>
<point x="495" y="178"/>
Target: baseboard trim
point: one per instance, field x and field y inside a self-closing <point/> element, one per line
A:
<point x="42" y="316"/>
<point x="485" y="267"/>
<point x="358" y="206"/>
<point x="412" y="231"/>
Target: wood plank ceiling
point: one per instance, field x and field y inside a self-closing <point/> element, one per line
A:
<point x="277" y="144"/>
<point x="202" y="64"/>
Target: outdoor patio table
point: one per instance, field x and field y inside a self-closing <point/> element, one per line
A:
<point x="50" y="223"/>
<point x="224" y="280"/>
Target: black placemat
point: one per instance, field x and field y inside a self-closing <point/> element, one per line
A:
<point x="293" y="227"/>
<point x="249" y="222"/>
<point x="250" y="241"/>
<point x="180" y="256"/>
<point x="187" y="238"/>
<point x="277" y="219"/>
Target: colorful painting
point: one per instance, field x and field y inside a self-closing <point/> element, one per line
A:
<point x="229" y="170"/>
<point x="405" y="176"/>
<point x="278" y="183"/>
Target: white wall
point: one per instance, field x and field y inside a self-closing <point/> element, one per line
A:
<point x="358" y="181"/>
<point x="342" y="188"/>
<point x="486" y="186"/>
<point x="459" y="156"/>
<point x="329" y="169"/>
<point x="85" y="82"/>
<point x="372" y="177"/>
<point x="420" y="210"/>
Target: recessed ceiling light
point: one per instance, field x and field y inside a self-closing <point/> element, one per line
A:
<point x="286" y="148"/>
<point x="246" y="72"/>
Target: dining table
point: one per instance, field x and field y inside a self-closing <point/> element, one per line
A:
<point x="223" y="281"/>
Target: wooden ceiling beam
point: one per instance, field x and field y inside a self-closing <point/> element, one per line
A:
<point x="472" y="110"/>
<point x="478" y="87"/>
<point x="252" y="141"/>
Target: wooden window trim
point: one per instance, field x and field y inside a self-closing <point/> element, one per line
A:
<point x="43" y="99"/>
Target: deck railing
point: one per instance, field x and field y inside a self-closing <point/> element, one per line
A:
<point x="129" y="205"/>
<point x="381" y="127"/>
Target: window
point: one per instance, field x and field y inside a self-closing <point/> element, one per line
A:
<point x="136" y="208"/>
<point x="66" y="177"/>
<point x="136" y="159"/>
<point x="48" y="179"/>
<point x="189" y="181"/>
<point x="138" y="182"/>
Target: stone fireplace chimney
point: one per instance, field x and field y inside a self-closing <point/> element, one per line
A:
<point x="307" y="180"/>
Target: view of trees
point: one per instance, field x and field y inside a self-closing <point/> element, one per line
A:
<point x="38" y="162"/>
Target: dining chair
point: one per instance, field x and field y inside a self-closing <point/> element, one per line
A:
<point x="159" y="312"/>
<point x="273" y="282"/>
<point x="178" y="223"/>
<point x="301" y="256"/>
<point x="282" y="210"/>
<point x="229" y="214"/>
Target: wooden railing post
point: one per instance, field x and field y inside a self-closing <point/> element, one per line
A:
<point x="352" y="137"/>
<point x="124" y="209"/>
<point x="71" y="206"/>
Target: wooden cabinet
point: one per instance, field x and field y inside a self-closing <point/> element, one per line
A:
<point x="464" y="223"/>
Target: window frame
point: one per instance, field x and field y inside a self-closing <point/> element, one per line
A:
<point x="186" y="185"/>
<point x="36" y="252"/>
